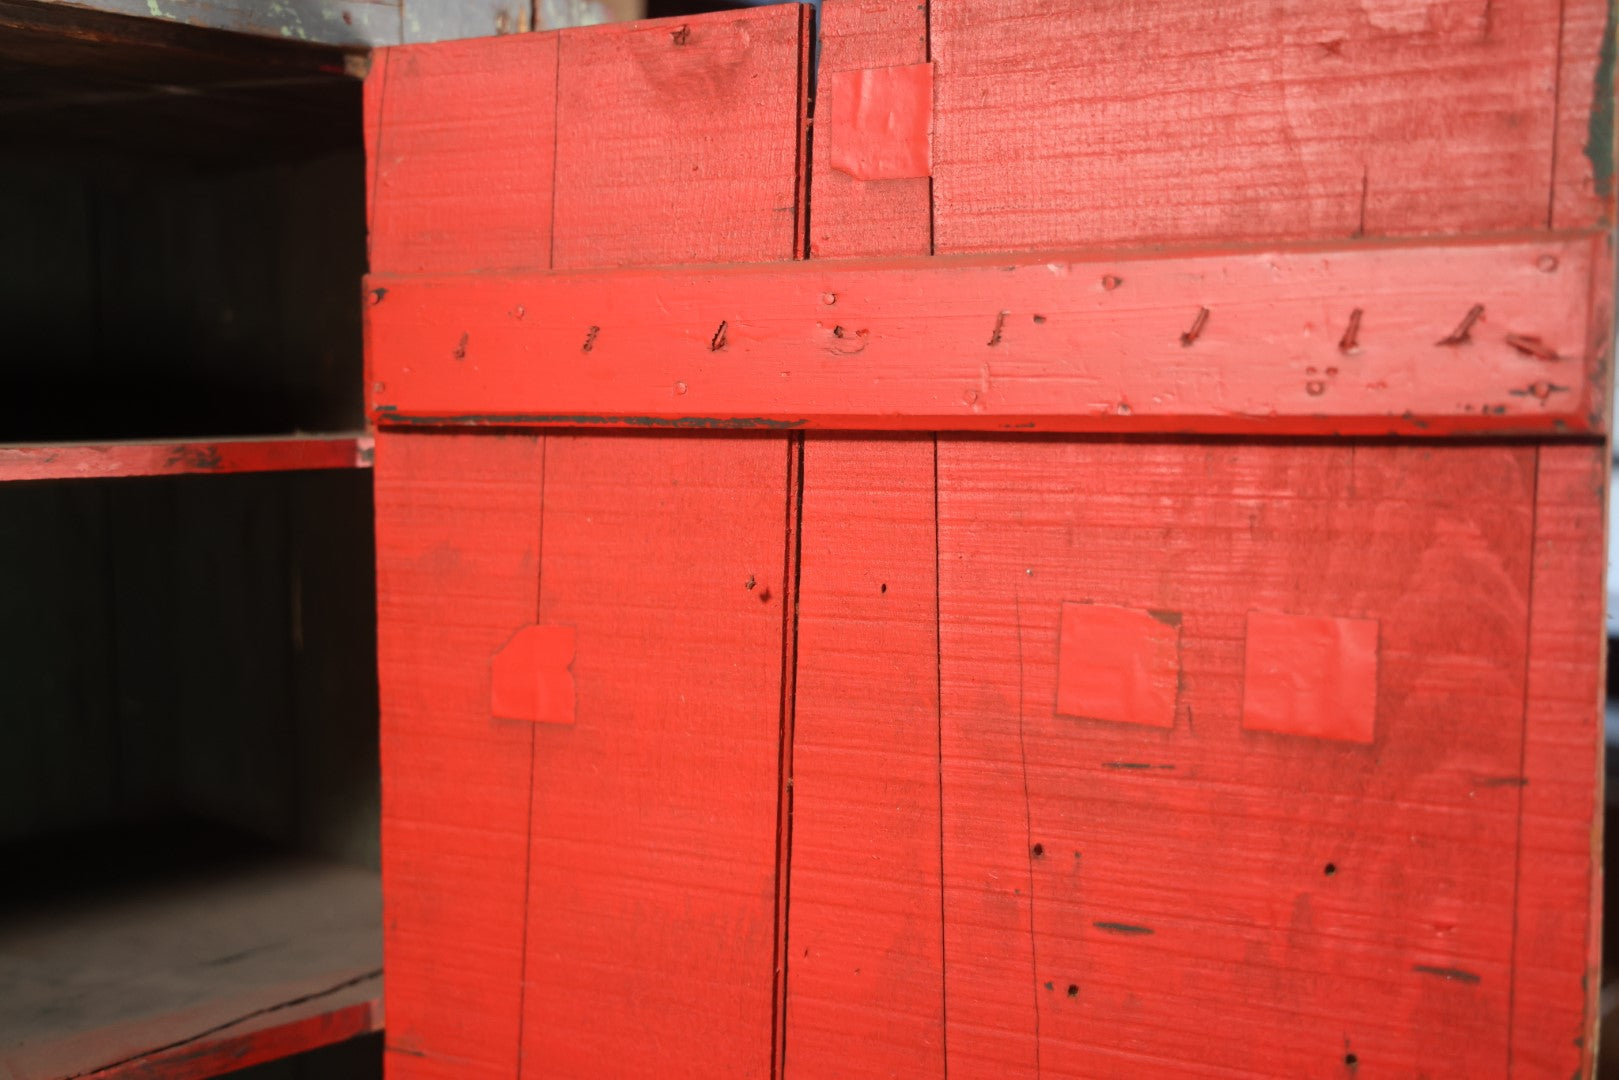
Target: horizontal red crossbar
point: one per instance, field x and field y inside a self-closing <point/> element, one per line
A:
<point x="1497" y="336"/>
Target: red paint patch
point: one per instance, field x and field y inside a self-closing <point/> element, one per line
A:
<point x="1119" y="664"/>
<point x="1310" y="675"/>
<point x="531" y="677"/>
<point x="882" y="122"/>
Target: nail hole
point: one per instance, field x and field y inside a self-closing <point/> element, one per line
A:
<point x="885" y="586"/>
<point x="1330" y="869"/>
<point x="1351" y="1059"/>
<point x="1038" y="850"/>
<point x="1073" y="990"/>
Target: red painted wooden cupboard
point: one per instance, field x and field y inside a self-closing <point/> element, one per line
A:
<point x="1050" y="539"/>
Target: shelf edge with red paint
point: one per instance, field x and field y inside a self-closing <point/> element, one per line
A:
<point x="98" y="460"/>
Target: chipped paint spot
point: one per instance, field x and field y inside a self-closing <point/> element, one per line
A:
<point x="1451" y="974"/>
<point x="1122" y="928"/>
<point x="1599" y="141"/>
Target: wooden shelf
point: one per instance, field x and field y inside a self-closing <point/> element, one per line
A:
<point x="191" y="976"/>
<point x="60" y="461"/>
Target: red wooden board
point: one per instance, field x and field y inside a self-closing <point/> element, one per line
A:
<point x="652" y="874"/>
<point x="624" y="875"/>
<point x="865" y="956"/>
<point x="461" y="141"/>
<point x="1468" y="337"/>
<point x="1060" y="124"/>
<point x="1121" y="900"/>
<point x="1559" y="916"/>
<point x="857" y="217"/>
<point x="680" y="140"/>
<point x="458" y="529"/>
<point x="864" y="960"/>
<point x="60" y="462"/>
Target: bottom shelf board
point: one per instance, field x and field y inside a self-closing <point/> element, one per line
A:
<point x="191" y="976"/>
<point x="60" y="461"/>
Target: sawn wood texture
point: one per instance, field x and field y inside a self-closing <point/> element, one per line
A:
<point x="821" y="810"/>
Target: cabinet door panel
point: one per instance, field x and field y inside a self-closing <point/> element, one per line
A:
<point x="1122" y="896"/>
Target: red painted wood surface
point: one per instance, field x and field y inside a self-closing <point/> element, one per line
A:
<point x="457" y="574"/>
<point x="1557" y="959"/>
<point x="652" y="862"/>
<point x="865" y="962"/>
<point x="461" y="147"/>
<point x="1460" y="338"/>
<point x="623" y="874"/>
<point x="60" y="462"/>
<point x="854" y="217"/>
<point x="1207" y="900"/>
<point x="865" y="956"/>
<point x="880" y="770"/>
<point x="680" y="141"/>
<point x="1062" y="124"/>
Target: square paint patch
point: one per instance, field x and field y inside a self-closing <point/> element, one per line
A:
<point x="1310" y="675"/>
<point x="1118" y="664"/>
<point x="880" y="121"/>
<point x="531" y="677"/>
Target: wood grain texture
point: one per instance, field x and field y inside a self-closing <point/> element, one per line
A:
<point x="1060" y="124"/>
<point x="1464" y="337"/>
<point x="865" y="959"/>
<point x="1559" y="918"/>
<point x="215" y="969"/>
<point x="619" y="873"/>
<point x="60" y="462"/>
<point x="1121" y="900"/>
<point x="865" y="952"/>
<point x="652" y="895"/>
<point x="1582" y="183"/>
<point x="461" y="141"/>
<point x="680" y="140"/>
<point x="458" y="528"/>
<point x="852" y="217"/>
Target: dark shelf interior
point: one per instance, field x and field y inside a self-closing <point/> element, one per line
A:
<point x="188" y="768"/>
<point x="184" y="215"/>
